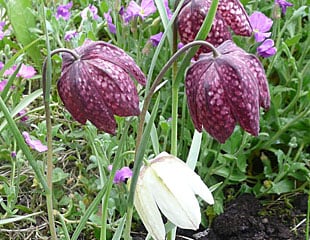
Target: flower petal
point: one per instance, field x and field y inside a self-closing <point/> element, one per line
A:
<point x="148" y="210"/>
<point x="173" y="195"/>
<point x="235" y="16"/>
<point x="242" y="92"/>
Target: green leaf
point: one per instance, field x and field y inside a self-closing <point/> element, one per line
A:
<point x="59" y="175"/>
<point x="282" y="187"/>
<point x="22" y="21"/>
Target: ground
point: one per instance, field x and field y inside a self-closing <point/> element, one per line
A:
<point x="247" y="218"/>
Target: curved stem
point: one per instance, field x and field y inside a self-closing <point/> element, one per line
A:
<point x="160" y="77"/>
<point x="46" y="80"/>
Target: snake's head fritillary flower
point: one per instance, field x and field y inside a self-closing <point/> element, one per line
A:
<point x="230" y="14"/>
<point x="267" y="49"/>
<point x="168" y="184"/>
<point x="225" y="90"/>
<point x="261" y="26"/>
<point x="283" y="5"/>
<point x="63" y="11"/>
<point x="98" y="85"/>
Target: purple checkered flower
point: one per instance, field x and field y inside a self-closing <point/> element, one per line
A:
<point x="261" y="25"/>
<point x="34" y="144"/>
<point x="225" y="90"/>
<point x="98" y="85"/>
<point x="63" y="11"/>
<point x="111" y="26"/>
<point x="283" y="5"/>
<point x="230" y="14"/>
<point x="267" y="49"/>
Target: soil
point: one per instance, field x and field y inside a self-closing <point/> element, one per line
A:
<point x="246" y="218"/>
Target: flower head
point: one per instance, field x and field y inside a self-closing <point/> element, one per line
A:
<point x="34" y="144"/>
<point x="111" y="26"/>
<point x="134" y="10"/>
<point x="230" y="14"/>
<point x="92" y="10"/>
<point x="225" y="90"/>
<point x="283" y="5"/>
<point x="168" y="11"/>
<point x="267" y="49"/>
<point x="1" y="65"/>
<point x="25" y="71"/>
<point x="155" y="39"/>
<point x="168" y="184"/>
<point x="261" y="25"/>
<point x="98" y="85"/>
<point x="3" y="84"/>
<point x="23" y="115"/>
<point x="122" y="175"/>
<point x="70" y="35"/>
<point x="2" y="24"/>
<point x="63" y="11"/>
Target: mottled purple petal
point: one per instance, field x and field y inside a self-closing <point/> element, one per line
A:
<point x="235" y="16"/>
<point x="34" y="144"/>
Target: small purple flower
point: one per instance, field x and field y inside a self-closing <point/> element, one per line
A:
<point x="147" y="8"/>
<point x="99" y="84"/>
<point x="23" y="115"/>
<point x="93" y="11"/>
<point x="267" y="49"/>
<point x="34" y="144"/>
<point x="155" y="39"/>
<point x="2" y="24"/>
<point x="111" y="26"/>
<point x="168" y="11"/>
<point x="13" y="154"/>
<point x="225" y="90"/>
<point x="3" y="84"/>
<point x="24" y="72"/>
<point x="1" y="65"/>
<point x="122" y="175"/>
<point x="261" y="25"/>
<point x="70" y="35"/>
<point x="63" y="11"/>
<point x="283" y="5"/>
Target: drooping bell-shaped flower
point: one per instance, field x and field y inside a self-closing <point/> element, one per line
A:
<point x="168" y="184"/>
<point x="225" y="90"/>
<point x="98" y="85"/>
<point x="230" y="14"/>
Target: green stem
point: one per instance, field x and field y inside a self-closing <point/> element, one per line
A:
<point x="160" y="77"/>
<point x="46" y="79"/>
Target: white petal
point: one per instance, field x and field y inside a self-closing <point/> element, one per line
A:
<point x="173" y="194"/>
<point x="148" y="211"/>
<point x="201" y="189"/>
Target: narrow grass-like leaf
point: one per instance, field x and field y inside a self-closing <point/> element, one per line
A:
<point x="154" y="136"/>
<point x="193" y="154"/>
<point x="18" y="218"/>
<point x="164" y="18"/>
<point x="22" y="105"/>
<point x="23" y="146"/>
<point x="118" y="234"/>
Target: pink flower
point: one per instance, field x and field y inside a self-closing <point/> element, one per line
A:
<point x="34" y="144"/>
<point x="70" y="34"/>
<point x="134" y="10"/>
<point x="111" y="26"/>
<point x="24" y="72"/>
<point x="267" y="49"/>
<point x="261" y="25"/>
<point x="3" y="84"/>
<point x="283" y="5"/>
<point x="155" y="39"/>
<point x="92" y="10"/>
<point x="63" y="11"/>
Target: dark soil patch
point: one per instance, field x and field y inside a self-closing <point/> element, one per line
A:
<point x="245" y="218"/>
